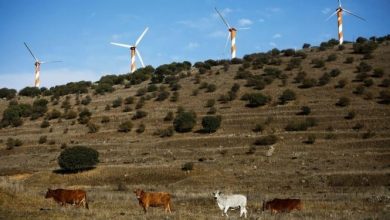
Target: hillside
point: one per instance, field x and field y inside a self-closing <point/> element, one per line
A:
<point x="338" y="166"/>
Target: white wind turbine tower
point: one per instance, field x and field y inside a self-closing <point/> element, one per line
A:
<point x="339" y="12"/>
<point x="37" y="64"/>
<point x="232" y="35"/>
<point x="134" y="51"/>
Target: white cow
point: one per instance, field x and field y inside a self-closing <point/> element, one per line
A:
<point x="230" y="201"/>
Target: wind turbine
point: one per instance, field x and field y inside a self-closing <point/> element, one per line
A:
<point x="133" y="51"/>
<point x="38" y="66"/>
<point x="339" y="12"/>
<point x="232" y="35"/>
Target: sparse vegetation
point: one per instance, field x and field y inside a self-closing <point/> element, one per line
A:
<point x="287" y="95"/>
<point x="125" y="126"/>
<point x="343" y="101"/>
<point x="266" y="140"/>
<point x="211" y="123"/>
<point x="184" y="121"/>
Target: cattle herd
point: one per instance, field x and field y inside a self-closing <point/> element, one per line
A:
<point x="155" y="199"/>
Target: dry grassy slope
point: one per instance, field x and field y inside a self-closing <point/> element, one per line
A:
<point x="341" y="177"/>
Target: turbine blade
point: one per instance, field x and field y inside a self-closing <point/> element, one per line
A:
<point x="223" y="19"/>
<point x="354" y="14"/>
<point x="121" y="45"/>
<point x="139" y="57"/>
<point x="339" y="3"/>
<point x="332" y="15"/>
<point x="227" y="41"/>
<point x="140" y="37"/>
<point x="30" y="52"/>
<point x="56" y="61"/>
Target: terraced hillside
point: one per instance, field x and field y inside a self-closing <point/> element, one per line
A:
<point x="333" y="154"/>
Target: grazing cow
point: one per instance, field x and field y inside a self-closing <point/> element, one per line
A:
<point x="75" y="197"/>
<point x="231" y="201"/>
<point x="283" y="205"/>
<point x="153" y="199"/>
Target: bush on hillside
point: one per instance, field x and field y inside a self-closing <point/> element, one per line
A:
<point x="30" y="91"/>
<point x="384" y="97"/>
<point x="301" y="125"/>
<point x="266" y="140"/>
<point x="78" y="158"/>
<point x="84" y="116"/>
<point x="308" y="83"/>
<point x="86" y="100"/>
<point x="211" y="123"/>
<point x="117" y="102"/>
<point x="349" y="60"/>
<point x="305" y="110"/>
<point x="256" y="99"/>
<point x="139" y="114"/>
<point x="125" y="126"/>
<point x="11" y="143"/>
<point x="6" y="93"/>
<point x="343" y="101"/>
<point x="184" y="121"/>
<point x="92" y="127"/>
<point x="287" y="95"/>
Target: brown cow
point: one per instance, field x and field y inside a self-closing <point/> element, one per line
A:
<point x="283" y="205"/>
<point x="153" y="199"/>
<point x="75" y="197"/>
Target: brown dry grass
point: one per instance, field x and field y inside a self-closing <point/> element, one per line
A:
<point x="340" y="176"/>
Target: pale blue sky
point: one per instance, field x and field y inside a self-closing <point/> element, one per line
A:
<point x="79" y="31"/>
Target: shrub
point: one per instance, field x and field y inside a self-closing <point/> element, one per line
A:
<point x="305" y="110"/>
<point x="70" y="114"/>
<point x="332" y="57"/>
<point x="211" y="123"/>
<point x="378" y="73"/>
<point x="341" y="83"/>
<point x="105" y="119"/>
<point x="318" y="63"/>
<point x="187" y="166"/>
<point x="42" y="139"/>
<point x="324" y="79"/>
<point x="102" y="88"/>
<point x="11" y="143"/>
<point x="174" y="97"/>
<point x="212" y="111"/>
<point x="184" y="121"/>
<point x="117" y="102"/>
<point x="195" y="92"/>
<point x="168" y="132"/>
<point x="306" y="45"/>
<point x="139" y="114"/>
<point x="169" y="116"/>
<point x="368" y="134"/>
<point x="363" y="67"/>
<point x="300" y="77"/>
<point x="368" y="82"/>
<point x="162" y="95"/>
<point x="287" y="95"/>
<point x="84" y="116"/>
<point x="127" y="108"/>
<point x="359" y="90"/>
<point x="257" y="99"/>
<point x="210" y="103"/>
<point x="384" y="96"/>
<point x="335" y="72"/>
<point x="308" y="83"/>
<point x="78" y="158"/>
<point x="125" y="126"/>
<point x="129" y="100"/>
<point x="86" y="100"/>
<point x="140" y="103"/>
<point x="54" y="114"/>
<point x="343" y="101"/>
<point x="301" y="125"/>
<point x="211" y="88"/>
<point x="140" y="129"/>
<point x="45" y="124"/>
<point x="266" y="140"/>
<point x="39" y="108"/>
<point x="385" y="83"/>
<point x="358" y="126"/>
<point x="92" y="127"/>
<point x="295" y="62"/>
<point x="7" y="93"/>
<point x="258" y="128"/>
<point x="30" y="91"/>
<point x="311" y="139"/>
<point x="350" y="115"/>
<point x="349" y="60"/>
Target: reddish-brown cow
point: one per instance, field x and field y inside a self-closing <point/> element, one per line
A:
<point x="153" y="199"/>
<point x="283" y="205"/>
<point x="63" y="196"/>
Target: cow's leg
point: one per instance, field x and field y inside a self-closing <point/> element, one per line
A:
<point x="243" y="211"/>
<point x="225" y="210"/>
<point x="168" y="208"/>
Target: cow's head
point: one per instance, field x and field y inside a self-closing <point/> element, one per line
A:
<point x="216" y="194"/>
<point x="138" y="193"/>
<point x="49" y="193"/>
